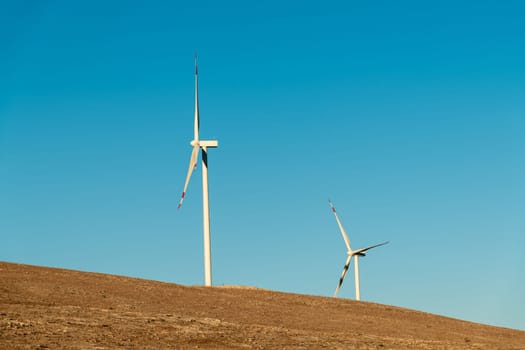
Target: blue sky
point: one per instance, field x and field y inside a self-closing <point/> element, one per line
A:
<point x="409" y="115"/>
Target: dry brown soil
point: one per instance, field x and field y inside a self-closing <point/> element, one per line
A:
<point x="47" y="308"/>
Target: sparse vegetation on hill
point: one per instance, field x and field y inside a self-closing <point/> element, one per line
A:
<point x="47" y="308"/>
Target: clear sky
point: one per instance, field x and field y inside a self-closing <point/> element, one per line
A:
<point x="409" y="115"/>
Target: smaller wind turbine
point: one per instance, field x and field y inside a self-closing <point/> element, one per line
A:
<point x="351" y="253"/>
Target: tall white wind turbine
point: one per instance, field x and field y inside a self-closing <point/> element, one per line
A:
<point x="351" y="253"/>
<point x="197" y="145"/>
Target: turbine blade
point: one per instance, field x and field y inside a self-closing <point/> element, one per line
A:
<point x="193" y="165"/>
<point x="343" y="232"/>
<point x="197" y="121"/>
<point x="343" y="274"/>
<point x="367" y="248"/>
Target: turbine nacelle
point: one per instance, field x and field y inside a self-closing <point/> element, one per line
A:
<point x="358" y="253"/>
<point x="204" y="144"/>
<point x="208" y="144"/>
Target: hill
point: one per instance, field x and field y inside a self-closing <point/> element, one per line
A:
<point x="48" y="308"/>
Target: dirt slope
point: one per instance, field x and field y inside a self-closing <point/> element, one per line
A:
<point x="45" y="308"/>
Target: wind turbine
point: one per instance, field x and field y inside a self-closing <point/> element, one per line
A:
<point x="351" y="253"/>
<point x="197" y="145"/>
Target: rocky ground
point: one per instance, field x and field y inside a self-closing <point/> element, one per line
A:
<point x="45" y="308"/>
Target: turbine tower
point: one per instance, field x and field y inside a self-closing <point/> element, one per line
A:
<point x="351" y="253"/>
<point x="197" y="145"/>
